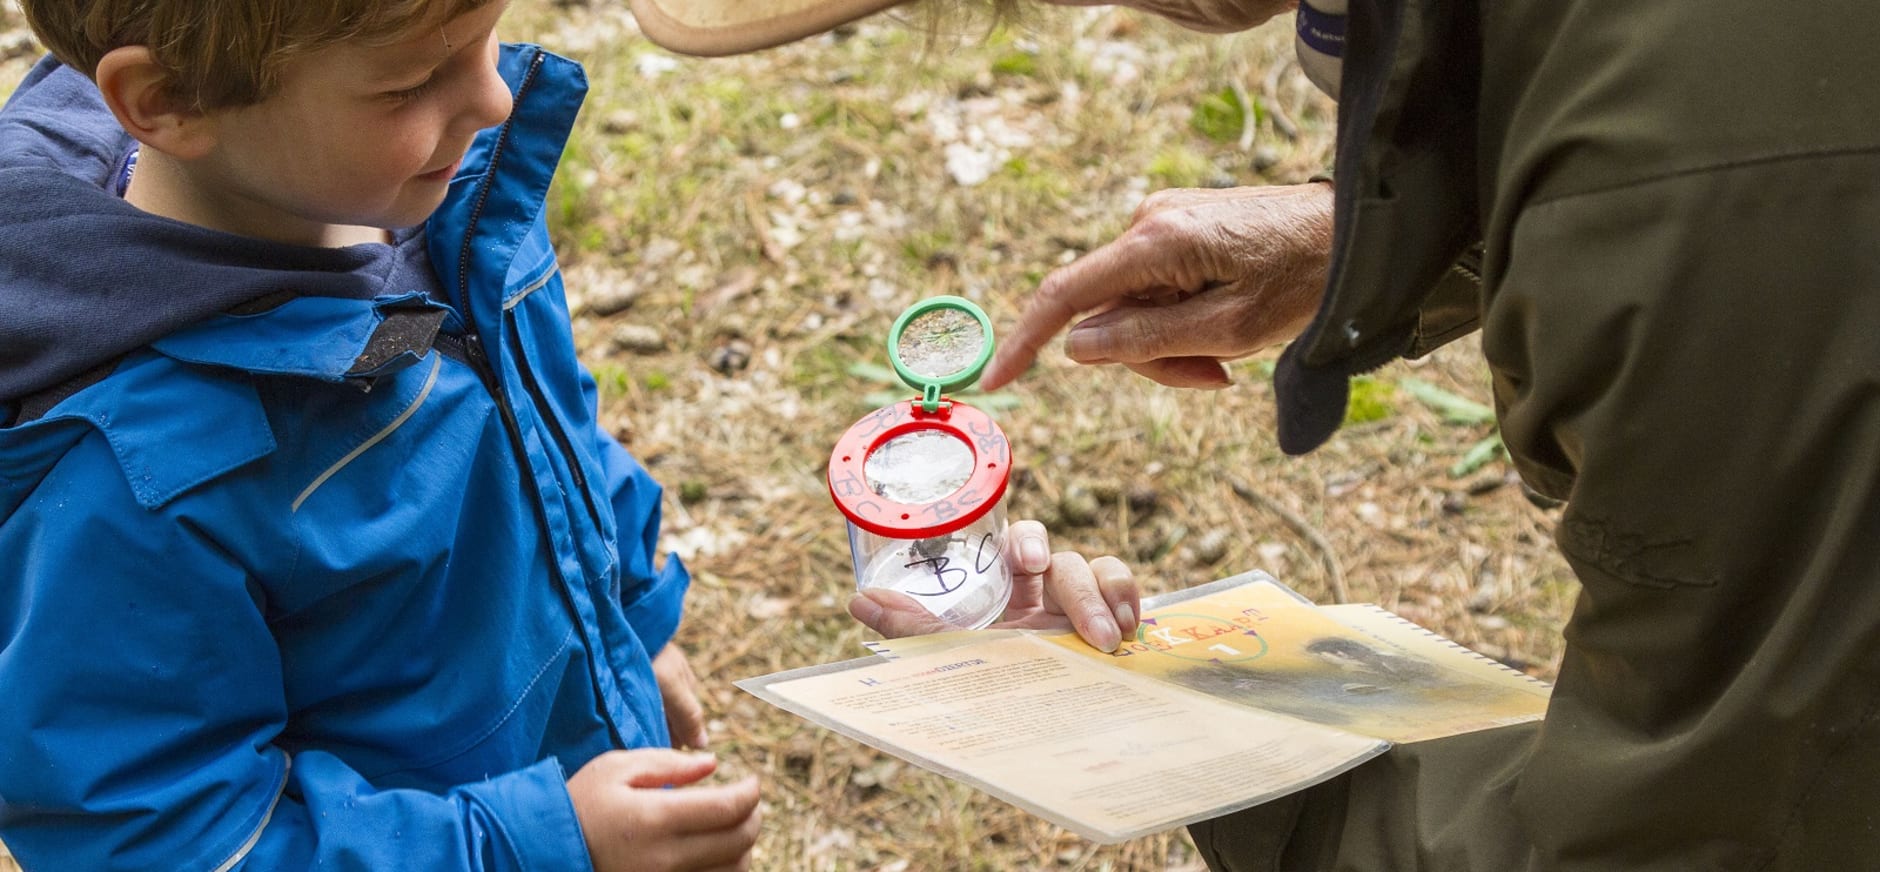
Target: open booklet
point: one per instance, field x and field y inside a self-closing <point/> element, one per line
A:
<point x="1229" y="695"/>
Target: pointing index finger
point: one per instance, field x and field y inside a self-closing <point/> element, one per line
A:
<point x="1096" y="279"/>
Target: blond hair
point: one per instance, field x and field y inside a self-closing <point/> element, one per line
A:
<point x="223" y="53"/>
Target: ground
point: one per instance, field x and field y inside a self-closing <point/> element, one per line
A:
<point x="738" y="236"/>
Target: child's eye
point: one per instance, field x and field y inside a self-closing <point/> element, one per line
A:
<point x="407" y="95"/>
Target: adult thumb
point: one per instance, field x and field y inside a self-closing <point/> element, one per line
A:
<point x="895" y="615"/>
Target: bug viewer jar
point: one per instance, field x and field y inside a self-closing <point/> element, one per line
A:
<point x="922" y="481"/>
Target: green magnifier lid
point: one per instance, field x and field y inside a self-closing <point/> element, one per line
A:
<point x="939" y="344"/>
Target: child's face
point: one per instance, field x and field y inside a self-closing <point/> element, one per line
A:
<point x="358" y="136"/>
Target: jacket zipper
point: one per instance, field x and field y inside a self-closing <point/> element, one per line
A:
<point x="542" y="410"/>
<point x="562" y="442"/>
<point x="471" y="345"/>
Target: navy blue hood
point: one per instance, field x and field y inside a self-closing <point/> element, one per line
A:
<point x="85" y="277"/>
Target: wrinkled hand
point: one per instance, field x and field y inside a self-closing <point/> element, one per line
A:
<point x="1207" y="16"/>
<point x="1049" y="591"/>
<point x="632" y="823"/>
<point x="1199" y="278"/>
<point x="678" y="688"/>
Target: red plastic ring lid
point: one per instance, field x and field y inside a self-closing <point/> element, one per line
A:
<point x="869" y="510"/>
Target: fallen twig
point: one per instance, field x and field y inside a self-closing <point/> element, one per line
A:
<point x="1304" y="528"/>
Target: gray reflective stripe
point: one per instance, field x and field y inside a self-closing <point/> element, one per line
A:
<point x="437" y="360"/>
<point x="254" y="838"/>
<point x="530" y="289"/>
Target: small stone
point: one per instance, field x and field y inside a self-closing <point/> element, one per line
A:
<point x="637" y="339"/>
<point x="980" y="86"/>
<point x="611" y="298"/>
<point x="877" y="775"/>
<point x="730" y="357"/>
<point x="1078" y="508"/>
<point x="1211" y="548"/>
<point x="623" y="121"/>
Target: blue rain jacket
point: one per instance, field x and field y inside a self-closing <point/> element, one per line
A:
<point x="349" y="581"/>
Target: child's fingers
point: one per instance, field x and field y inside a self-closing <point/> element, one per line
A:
<point x="694" y="828"/>
<point x="678" y="688"/>
<point x="713" y="809"/>
<point x="661" y="767"/>
<point x="685" y="720"/>
<point x="727" y="845"/>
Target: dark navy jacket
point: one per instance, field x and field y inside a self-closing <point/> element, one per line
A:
<point x="312" y="569"/>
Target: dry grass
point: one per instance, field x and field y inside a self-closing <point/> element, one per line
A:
<point x="740" y="232"/>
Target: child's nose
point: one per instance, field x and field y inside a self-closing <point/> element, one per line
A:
<point x="490" y="102"/>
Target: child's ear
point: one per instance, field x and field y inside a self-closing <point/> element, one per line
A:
<point x="140" y="93"/>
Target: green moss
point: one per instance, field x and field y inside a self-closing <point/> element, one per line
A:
<point x="826" y="365"/>
<point x="1370" y="400"/>
<point x="634" y="146"/>
<point x="729" y="90"/>
<point x="1178" y="168"/>
<point x="611" y="379"/>
<point x="1220" y="116"/>
<point x="1037" y="185"/>
<point x="922" y="247"/>
<point x="1015" y="63"/>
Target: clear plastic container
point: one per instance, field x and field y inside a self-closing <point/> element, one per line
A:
<point x="959" y="575"/>
<point x="922" y="482"/>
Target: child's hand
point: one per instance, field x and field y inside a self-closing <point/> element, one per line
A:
<point x="632" y="823"/>
<point x="1049" y="591"/>
<point x="678" y="688"/>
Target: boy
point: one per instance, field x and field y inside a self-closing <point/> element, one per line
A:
<point x="314" y="554"/>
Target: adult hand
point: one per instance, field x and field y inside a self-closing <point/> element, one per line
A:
<point x="1207" y="16"/>
<point x="1049" y="591"/>
<point x="632" y="823"/>
<point x="1200" y="277"/>
<point x="678" y="688"/>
